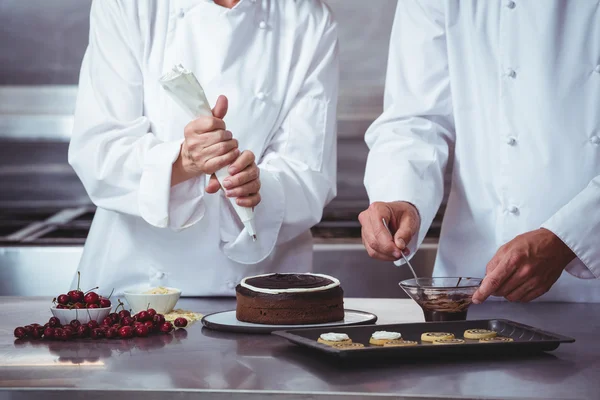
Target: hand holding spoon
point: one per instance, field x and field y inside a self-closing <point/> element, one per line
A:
<point x="402" y="252"/>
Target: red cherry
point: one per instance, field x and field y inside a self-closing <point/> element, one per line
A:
<point x="127" y="321"/>
<point x="124" y="313"/>
<point x="117" y="326"/>
<point x="69" y="330"/>
<point x="143" y="316"/>
<point x="150" y="326"/>
<point x="151" y="312"/>
<point x="115" y="317"/>
<point x="75" y="296"/>
<point x="181" y="322"/>
<point x="91" y="298"/>
<point x="54" y="322"/>
<point x="75" y="324"/>
<point x="159" y="319"/>
<point x="28" y="329"/>
<point x="63" y="299"/>
<point x="60" y="306"/>
<point x="60" y="334"/>
<point x="93" y="306"/>
<point x="83" y="331"/>
<point x="141" y="331"/>
<point x="167" y="327"/>
<point x="49" y="333"/>
<point x="126" y="332"/>
<point x="107" y="321"/>
<point x="97" y="333"/>
<point x="104" y="302"/>
<point x="93" y="324"/>
<point x="20" y="332"/>
<point x="35" y="325"/>
<point x="112" y="333"/>
<point x="79" y="305"/>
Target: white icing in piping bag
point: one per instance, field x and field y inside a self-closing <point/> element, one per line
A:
<point x="185" y="89"/>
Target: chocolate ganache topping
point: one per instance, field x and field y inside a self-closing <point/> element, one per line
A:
<point x="290" y="282"/>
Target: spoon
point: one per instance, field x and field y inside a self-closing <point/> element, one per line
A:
<point x="403" y="256"/>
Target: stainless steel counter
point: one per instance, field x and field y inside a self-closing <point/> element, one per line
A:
<point x="207" y="364"/>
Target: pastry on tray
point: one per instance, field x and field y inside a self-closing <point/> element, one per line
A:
<point x="332" y="338"/>
<point x="479" y="334"/>
<point x="290" y="299"/>
<point x="379" y="338"/>
<point x="433" y="336"/>
<point x="400" y="343"/>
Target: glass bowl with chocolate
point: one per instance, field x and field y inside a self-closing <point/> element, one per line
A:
<point x="442" y="299"/>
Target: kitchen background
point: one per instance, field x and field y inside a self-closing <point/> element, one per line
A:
<point x="45" y="213"/>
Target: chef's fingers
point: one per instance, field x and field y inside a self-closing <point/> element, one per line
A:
<point x="492" y="282"/>
<point x="512" y="282"/>
<point x="216" y="163"/>
<point x="518" y="292"/>
<point x="375" y="254"/>
<point x="376" y="235"/>
<point x="533" y="294"/>
<point x="213" y="185"/>
<point x="244" y="160"/>
<point x="202" y="125"/>
<point x="409" y="225"/>
<point x="218" y="149"/>
<point x="221" y="106"/>
<point x="246" y="189"/>
<point x="249" y="174"/>
<point x="249" y="201"/>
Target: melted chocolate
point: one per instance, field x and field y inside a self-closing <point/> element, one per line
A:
<point x="288" y="281"/>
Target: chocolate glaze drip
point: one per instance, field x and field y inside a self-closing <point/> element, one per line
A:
<point x="288" y="281"/>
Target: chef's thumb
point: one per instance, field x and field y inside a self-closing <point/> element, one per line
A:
<point x="405" y="231"/>
<point x="220" y="109"/>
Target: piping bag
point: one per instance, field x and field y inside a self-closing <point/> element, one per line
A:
<point x="185" y="89"/>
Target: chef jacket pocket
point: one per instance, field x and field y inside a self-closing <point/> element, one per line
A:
<point x="307" y="127"/>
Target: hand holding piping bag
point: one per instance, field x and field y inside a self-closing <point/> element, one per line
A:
<point x="210" y="158"/>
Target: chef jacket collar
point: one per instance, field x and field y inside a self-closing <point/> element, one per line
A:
<point x="183" y="6"/>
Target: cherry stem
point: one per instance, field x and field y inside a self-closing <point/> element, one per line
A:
<point x="120" y="305"/>
<point x="91" y="290"/>
<point x="111" y="293"/>
<point x="54" y="300"/>
<point x="148" y="307"/>
<point x="78" y="280"/>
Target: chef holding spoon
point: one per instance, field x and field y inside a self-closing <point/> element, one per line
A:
<point x="270" y="72"/>
<point x="506" y="94"/>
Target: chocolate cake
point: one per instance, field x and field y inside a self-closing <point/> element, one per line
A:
<point x="289" y="299"/>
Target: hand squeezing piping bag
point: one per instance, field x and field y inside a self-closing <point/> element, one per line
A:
<point x="185" y="89"/>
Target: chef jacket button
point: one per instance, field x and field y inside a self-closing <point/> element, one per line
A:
<point x="511" y="140"/>
<point x="510" y="4"/>
<point x="513" y="209"/>
<point x="262" y="25"/>
<point x="230" y="285"/>
<point x="261" y="95"/>
<point x="597" y="69"/>
<point x="181" y="13"/>
<point x="511" y="73"/>
<point x="595" y="140"/>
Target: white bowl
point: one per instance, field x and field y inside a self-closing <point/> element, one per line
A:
<point x="162" y="303"/>
<point x="83" y="315"/>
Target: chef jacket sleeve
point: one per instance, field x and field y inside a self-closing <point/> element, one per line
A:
<point x="122" y="164"/>
<point x="410" y="142"/>
<point x="298" y="167"/>
<point x="577" y="224"/>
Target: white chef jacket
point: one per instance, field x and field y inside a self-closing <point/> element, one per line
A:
<point x="511" y="89"/>
<point x="277" y="62"/>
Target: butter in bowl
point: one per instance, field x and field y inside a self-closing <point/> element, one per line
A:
<point x="162" y="299"/>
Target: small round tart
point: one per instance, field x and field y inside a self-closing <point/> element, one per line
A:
<point x="496" y="339"/>
<point x="331" y="338"/>
<point x="348" y="346"/>
<point x="400" y="343"/>
<point x="479" y="334"/>
<point x="380" y="337"/>
<point x="433" y="336"/>
<point x="449" y="341"/>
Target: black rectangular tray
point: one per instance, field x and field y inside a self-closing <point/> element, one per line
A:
<point x="527" y="339"/>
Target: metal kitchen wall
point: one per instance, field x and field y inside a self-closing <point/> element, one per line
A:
<point x="43" y="41"/>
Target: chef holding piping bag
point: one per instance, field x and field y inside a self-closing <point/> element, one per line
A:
<point x="270" y="71"/>
<point x="511" y="89"/>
